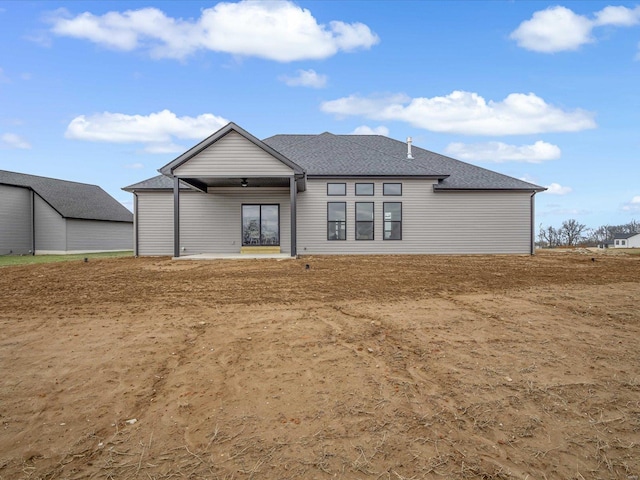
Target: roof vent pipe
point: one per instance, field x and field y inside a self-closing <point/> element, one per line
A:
<point x="409" y="156"/>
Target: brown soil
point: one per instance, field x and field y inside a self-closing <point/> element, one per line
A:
<point x="359" y="367"/>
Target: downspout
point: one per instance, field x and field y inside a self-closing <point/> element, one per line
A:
<point x="533" y="236"/>
<point x="33" y="222"/>
<point x="176" y="217"/>
<point x="292" y="195"/>
<point x="135" y="225"/>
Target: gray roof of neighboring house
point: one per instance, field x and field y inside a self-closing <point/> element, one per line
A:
<point x="623" y="236"/>
<point x="71" y="199"/>
<point x="327" y="154"/>
<point x="361" y="155"/>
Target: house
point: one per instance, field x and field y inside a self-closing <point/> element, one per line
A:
<point x="328" y="194"/>
<point x="626" y="240"/>
<point x="40" y="215"/>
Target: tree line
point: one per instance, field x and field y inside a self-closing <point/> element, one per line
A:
<point x="573" y="233"/>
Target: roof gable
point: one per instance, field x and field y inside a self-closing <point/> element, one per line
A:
<point x="71" y="199"/>
<point x="203" y="159"/>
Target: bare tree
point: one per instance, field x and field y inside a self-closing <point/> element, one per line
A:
<point x="549" y="236"/>
<point x="601" y="234"/>
<point x="571" y="232"/>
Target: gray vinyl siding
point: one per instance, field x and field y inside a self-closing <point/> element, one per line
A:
<point x="15" y="220"/>
<point x="212" y="222"/>
<point x="233" y="156"/>
<point x="209" y="222"/>
<point x="50" y="228"/>
<point x="154" y="219"/>
<point x="432" y="222"/>
<point x="98" y="236"/>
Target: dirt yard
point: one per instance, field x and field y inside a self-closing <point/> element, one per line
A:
<point x="387" y="367"/>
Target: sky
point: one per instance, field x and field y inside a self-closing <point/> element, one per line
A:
<point x="108" y="92"/>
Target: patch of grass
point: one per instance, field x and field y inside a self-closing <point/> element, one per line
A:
<point x="11" y="260"/>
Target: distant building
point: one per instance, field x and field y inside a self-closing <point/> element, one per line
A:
<point x="626" y="240"/>
<point x="328" y="194"/>
<point x="40" y="215"/>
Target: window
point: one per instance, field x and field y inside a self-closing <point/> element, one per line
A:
<point x="260" y="225"/>
<point x="392" y="189"/>
<point x="336" y="188"/>
<point x="617" y="242"/>
<point x="364" y="188"/>
<point x="623" y="242"/>
<point x="392" y="221"/>
<point x="364" y="220"/>
<point x="336" y="221"/>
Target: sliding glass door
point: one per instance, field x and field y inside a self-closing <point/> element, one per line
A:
<point x="260" y="225"/>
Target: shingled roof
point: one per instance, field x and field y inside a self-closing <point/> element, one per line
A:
<point x="361" y="155"/>
<point x="159" y="182"/>
<point x="624" y="236"/>
<point x="329" y="155"/>
<point x="71" y="199"/>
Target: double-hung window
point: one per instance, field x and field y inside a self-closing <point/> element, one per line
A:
<point x="336" y="221"/>
<point x="364" y="220"/>
<point x="392" y="214"/>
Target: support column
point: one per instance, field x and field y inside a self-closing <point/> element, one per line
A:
<point x="33" y="222"/>
<point x="533" y="226"/>
<point x="136" y="248"/>
<point x="176" y="217"/>
<point x="293" y="193"/>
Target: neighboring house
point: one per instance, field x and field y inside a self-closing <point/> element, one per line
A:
<point x="626" y="240"/>
<point x="40" y="215"/>
<point x="328" y="194"/>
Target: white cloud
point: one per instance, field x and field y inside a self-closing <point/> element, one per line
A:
<point x="498" y="152"/>
<point x="128" y="204"/>
<point x="134" y="166"/>
<point x="632" y="206"/>
<point x="618" y="16"/>
<point x="553" y="30"/>
<point x="466" y="113"/>
<point x="557" y="189"/>
<point x="280" y="31"/>
<point x="11" y="140"/>
<point x="164" y="148"/>
<point x="306" y="78"/>
<point x="559" y="29"/>
<point x="366" y="130"/>
<point x="156" y="130"/>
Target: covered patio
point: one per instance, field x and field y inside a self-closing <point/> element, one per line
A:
<point x="234" y="161"/>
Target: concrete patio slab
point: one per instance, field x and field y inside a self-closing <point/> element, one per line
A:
<point x="235" y="256"/>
